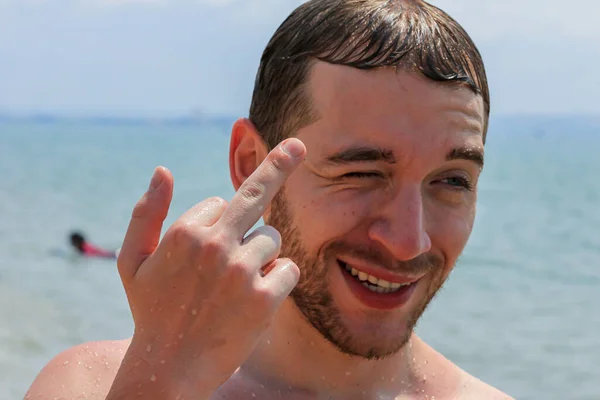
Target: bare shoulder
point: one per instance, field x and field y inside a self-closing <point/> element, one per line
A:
<point x="84" y="371"/>
<point x="474" y="389"/>
<point x="458" y="384"/>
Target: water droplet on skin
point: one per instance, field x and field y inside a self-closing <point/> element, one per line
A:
<point x="348" y="373"/>
<point x="153" y="378"/>
<point x="312" y="344"/>
<point x="182" y="306"/>
<point x="89" y="367"/>
<point x="383" y="378"/>
<point x="169" y="254"/>
<point x="162" y="361"/>
<point x="194" y="311"/>
<point x="268" y="341"/>
<point x="253" y="395"/>
<point x="66" y="363"/>
<point x="392" y="379"/>
<point x="180" y="336"/>
<point x="149" y="348"/>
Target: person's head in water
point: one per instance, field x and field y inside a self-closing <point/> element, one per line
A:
<point x="77" y="241"/>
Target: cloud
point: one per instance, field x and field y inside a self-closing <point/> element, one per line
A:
<point x="170" y="56"/>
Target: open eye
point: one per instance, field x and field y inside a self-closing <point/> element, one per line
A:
<point x="458" y="183"/>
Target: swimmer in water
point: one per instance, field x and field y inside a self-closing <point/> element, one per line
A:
<point x="87" y="249"/>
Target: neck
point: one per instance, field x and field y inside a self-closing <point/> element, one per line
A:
<point x="292" y="354"/>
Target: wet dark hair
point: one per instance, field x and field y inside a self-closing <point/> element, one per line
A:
<point x="77" y="239"/>
<point x="364" y="34"/>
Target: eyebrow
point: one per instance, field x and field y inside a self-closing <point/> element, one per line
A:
<point x="474" y="154"/>
<point x="372" y="154"/>
<point x="361" y="154"/>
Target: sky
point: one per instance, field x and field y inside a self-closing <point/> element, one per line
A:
<point x="172" y="57"/>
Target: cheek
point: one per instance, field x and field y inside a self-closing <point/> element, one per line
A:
<point x="449" y="231"/>
<point x="325" y="216"/>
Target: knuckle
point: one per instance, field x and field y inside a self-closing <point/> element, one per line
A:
<point x="141" y="208"/>
<point x="252" y="190"/>
<point x="216" y="202"/>
<point x="278" y="163"/>
<point x="182" y="234"/>
<point x="237" y="267"/>
<point x="237" y="273"/>
<point x="216" y="244"/>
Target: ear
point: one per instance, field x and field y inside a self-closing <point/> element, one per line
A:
<point x="247" y="150"/>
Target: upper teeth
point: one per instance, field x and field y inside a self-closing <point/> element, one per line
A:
<point x="362" y="276"/>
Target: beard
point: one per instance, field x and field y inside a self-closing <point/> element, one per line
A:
<point x="314" y="300"/>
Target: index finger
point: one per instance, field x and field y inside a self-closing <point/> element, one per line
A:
<point x="256" y="193"/>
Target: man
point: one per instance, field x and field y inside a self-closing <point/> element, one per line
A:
<point x="362" y="153"/>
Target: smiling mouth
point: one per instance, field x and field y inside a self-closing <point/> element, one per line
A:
<point x="374" y="284"/>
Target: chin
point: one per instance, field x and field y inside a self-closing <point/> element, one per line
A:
<point x="359" y="315"/>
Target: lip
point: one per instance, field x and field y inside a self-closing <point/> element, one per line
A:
<point x="377" y="272"/>
<point x="379" y="301"/>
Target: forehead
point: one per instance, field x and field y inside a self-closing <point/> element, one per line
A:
<point x="397" y="105"/>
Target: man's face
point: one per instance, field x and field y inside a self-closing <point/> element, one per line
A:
<point x="383" y="205"/>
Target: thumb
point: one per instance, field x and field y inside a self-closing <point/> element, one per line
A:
<point x="143" y="233"/>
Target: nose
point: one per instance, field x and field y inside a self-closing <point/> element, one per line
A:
<point x="400" y="225"/>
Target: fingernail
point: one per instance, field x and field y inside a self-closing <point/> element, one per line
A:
<point x="292" y="147"/>
<point x="156" y="180"/>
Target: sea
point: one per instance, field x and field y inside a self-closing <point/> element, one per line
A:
<point x="521" y="311"/>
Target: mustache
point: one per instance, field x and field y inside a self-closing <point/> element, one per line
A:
<point x="372" y="255"/>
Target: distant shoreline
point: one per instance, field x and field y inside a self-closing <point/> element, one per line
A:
<point x="48" y="119"/>
<point x="588" y="123"/>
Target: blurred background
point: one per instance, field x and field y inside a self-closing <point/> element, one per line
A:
<point x="95" y="93"/>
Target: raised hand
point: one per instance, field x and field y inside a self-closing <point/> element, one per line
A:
<point x="201" y="298"/>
